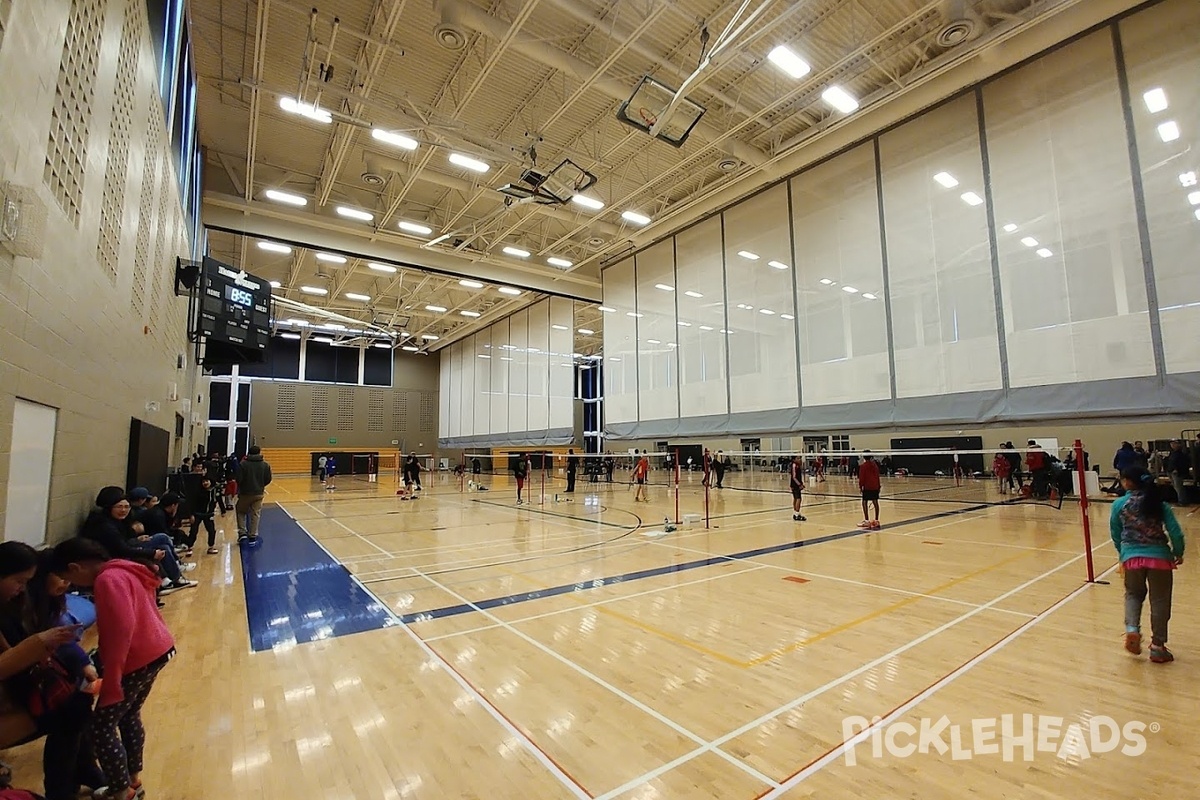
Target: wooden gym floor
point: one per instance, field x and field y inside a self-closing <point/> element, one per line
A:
<point x="557" y="650"/>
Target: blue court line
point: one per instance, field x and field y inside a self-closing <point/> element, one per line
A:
<point x="653" y="572"/>
<point x="297" y="592"/>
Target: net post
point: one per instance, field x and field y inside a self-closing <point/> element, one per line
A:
<point x="706" y="517"/>
<point x="678" y="521"/>
<point x="1083" y="510"/>
<point x="542" y="499"/>
<point x="462" y="477"/>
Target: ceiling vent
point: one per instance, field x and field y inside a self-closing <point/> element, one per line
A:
<point x="956" y="32"/>
<point x="450" y="36"/>
<point x="372" y="178"/>
<point x="596" y="242"/>
<point x="728" y="164"/>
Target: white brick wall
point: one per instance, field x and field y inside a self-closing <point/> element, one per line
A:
<point x="69" y="336"/>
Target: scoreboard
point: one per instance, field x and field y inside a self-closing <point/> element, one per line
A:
<point x="235" y="308"/>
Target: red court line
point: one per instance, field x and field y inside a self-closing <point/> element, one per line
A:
<point x="795" y="579"/>
<point x="916" y="694"/>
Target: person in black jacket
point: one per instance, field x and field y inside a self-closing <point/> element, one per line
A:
<point x="1177" y="465"/>
<point x="163" y="517"/>
<point x="572" y="468"/>
<point x="202" y="500"/>
<point x="107" y="526"/>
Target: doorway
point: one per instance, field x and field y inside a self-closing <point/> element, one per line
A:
<point x="29" y="472"/>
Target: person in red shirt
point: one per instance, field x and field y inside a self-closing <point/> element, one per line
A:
<point x="796" y="480"/>
<point x="868" y="483"/>
<point x="135" y="645"/>
<point x="640" y="473"/>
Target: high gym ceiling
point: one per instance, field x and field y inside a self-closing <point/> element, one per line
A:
<point x="503" y="81"/>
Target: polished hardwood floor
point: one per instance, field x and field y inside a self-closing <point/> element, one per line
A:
<point x="572" y="648"/>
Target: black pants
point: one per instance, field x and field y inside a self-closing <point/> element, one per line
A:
<point x="69" y="755"/>
<point x="720" y="471"/>
<point x="208" y="526"/>
<point x="570" y="480"/>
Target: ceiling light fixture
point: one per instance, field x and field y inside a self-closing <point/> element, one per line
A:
<point x="470" y="284"/>
<point x="587" y="202"/>
<point x="354" y="213"/>
<point x="303" y="323"/>
<point x="559" y="327"/>
<point x="766" y="311"/>
<point x="783" y="57"/>
<point x="362" y="298"/>
<point x="633" y="314"/>
<point x="381" y="267"/>
<point x="683" y="324"/>
<point x="395" y="139"/>
<point x="606" y="309"/>
<point x="1168" y="131"/>
<point x="786" y="316"/>
<point x="408" y="348"/>
<point x="1009" y="228"/>
<point x="664" y="287"/>
<point x="429" y="337"/>
<point x="587" y="331"/>
<point x="972" y="199"/>
<point x="555" y="261"/>
<point x="276" y="285"/>
<point x="285" y="197"/>
<point x="315" y="113"/>
<point x="483" y="356"/>
<point x="946" y="179"/>
<point x="321" y="339"/>
<point x="330" y="258"/>
<point x="436" y="309"/>
<point x="706" y="327"/>
<point x="510" y="291"/>
<point x="470" y="313"/>
<point x="289" y="336"/>
<point x="466" y="162"/>
<point x="653" y="341"/>
<point x="777" y="264"/>
<point x="635" y="218"/>
<point x="382" y="346"/>
<point x="313" y="290"/>
<point x="849" y="290"/>
<point x="1044" y="252"/>
<point x="334" y="326"/>
<point x="413" y="227"/>
<point x="1029" y="241"/>
<point x="746" y="254"/>
<point x="1194" y="198"/>
<point x="869" y="296"/>
<point x="840" y="99"/>
<point x="516" y="251"/>
<point x="274" y="247"/>
<point x="690" y="293"/>
<point x="1187" y="179"/>
<point x="826" y="282"/>
<point x="1156" y="100"/>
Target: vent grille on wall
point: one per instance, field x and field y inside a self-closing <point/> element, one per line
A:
<point x="399" y="412"/>
<point x="345" y="410"/>
<point x="66" y="150"/>
<point x="112" y="208"/>
<point x="375" y="400"/>
<point x="164" y="233"/>
<point x="428" y="411"/>
<point x="318" y="414"/>
<point x="150" y="163"/>
<point x="285" y="408"/>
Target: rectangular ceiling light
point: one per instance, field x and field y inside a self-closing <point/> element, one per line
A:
<point x="633" y="314"/>
<point x="1156" y="100"/>
<point x="826" y="282"/>
<point x="635" y="218"/>
<point x="413" y="227"/>
<point x="972" y="199"/>
<point x="470" y="284"/>
<point x="466" y="162"/>
<point x="554" y="261"/>
<point x="429" y="337"/>
<point x="394" y="139"/>
<point x="587" y="202"/>
<point x="381" y="267"/>
<point x="1029" y="241"/>
<point x="408" y="348"/>
<point x="783" y="57"/>
<point x="869" y="296"/>
<point x="276" y="285"/>
<point x="1168" y="131"/>
<point x="470" y="313"/>
<point x="354" y="213"/>
<point x="786" y="316"/>
<point x="274" y="247"/>
<point x="285" y="197"/>
<point x="1187" y="179"/>
<point x="777" y="264"/>
<point x="1009" y="228"/>
<point x="946" y="179"/>
<point x="683" y="324"/>
<point x="362" y="298"/>
<point x="1194" y="198"/>
<point x="586" y="331"/>
<point x="516" y="251"/>
<point x="748" y="255"/>
<point x="289" y="336"/>
<point x="840" y="99"/>
<point x="706" y="327"/>
<point x="559" y="327"/>
<point x="382" y="346"/>
<point x="315" y="113"/>
<point x="664" y="287"/>
<point x="330" y="258"/>
<point x="436" y="309"/>
<point x="653" y="341"/>
<point x="606" y="309"/>
<point x="690" y="293"/>
<point x="1044" y="252"/>
<point x="313" y="290"/>
<point x="510" y="291"/>
<point x="849" y="290"/>
<point x="483" y="356"/>
<point x="321" y="339"/>
<point x="766" y="311"/>
<point x="299" y="322"/>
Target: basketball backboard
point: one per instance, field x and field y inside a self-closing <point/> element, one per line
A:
<point x="648" y="101"/>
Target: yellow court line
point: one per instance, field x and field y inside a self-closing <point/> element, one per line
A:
<point x="845" y="626"/>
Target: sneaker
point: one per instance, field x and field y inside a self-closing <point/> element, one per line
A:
<point x="874" y="525"/>
<point x="1133" y="642"/>
<point x="187" y="566"/>
<point x="182" y="583"/>
<point x="212" y="551"/>
<point x="866" y="523"/>
<point x="1159" y="654"/>
<point x="130" y="793"/>
<point x="243" y="538"/>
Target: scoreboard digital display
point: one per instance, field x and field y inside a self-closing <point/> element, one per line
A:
<point x="235" y="308"/>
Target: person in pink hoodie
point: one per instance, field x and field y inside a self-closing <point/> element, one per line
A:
<point x="135" y="645"/>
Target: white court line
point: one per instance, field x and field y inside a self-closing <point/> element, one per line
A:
<point x="903" y="709"/>
<point x="566" y="780"/>
<point x="715" y="744"/>
<point x="595" y="604"/>
<point x="670" y="723"/>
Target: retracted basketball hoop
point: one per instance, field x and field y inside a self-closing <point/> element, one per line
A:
<point x="649" y="109"/>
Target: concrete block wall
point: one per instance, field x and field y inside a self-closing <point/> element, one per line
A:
<point x="70" y="335"/>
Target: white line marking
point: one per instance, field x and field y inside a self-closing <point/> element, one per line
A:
<point x="820" y="690"/>
<point x="682" y="731"/>
<point x="834" y="754"/>
<point x="568" y="783"/>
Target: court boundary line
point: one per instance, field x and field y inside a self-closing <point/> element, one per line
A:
<point x="834" y="683"/>
<point x="834" y="753"/>
<point x="633" y="701"/>
<point x="541" y="756"/>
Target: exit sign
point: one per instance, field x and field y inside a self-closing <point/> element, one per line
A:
<point x="333" y="441"/>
